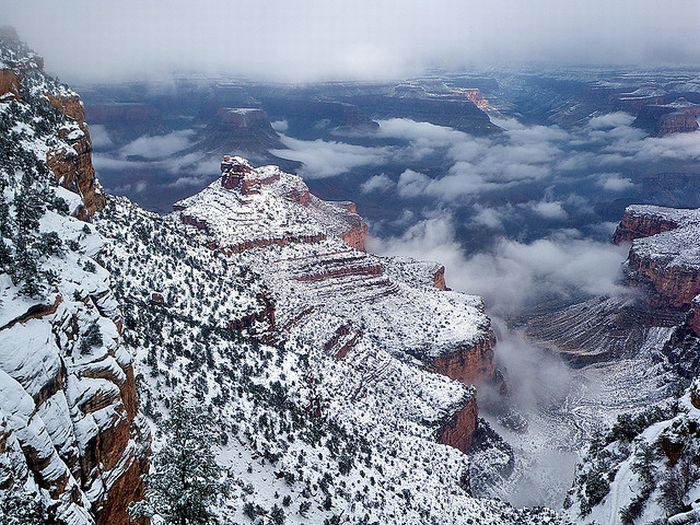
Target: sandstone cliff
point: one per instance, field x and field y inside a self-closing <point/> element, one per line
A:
<point x="73" y="433"/>
<point x="665" y="253"/>
<point x="679" y="116"/>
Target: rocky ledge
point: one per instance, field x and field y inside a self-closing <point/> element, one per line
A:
<point x="665" y="252"/>
<point x="680" y="116"/>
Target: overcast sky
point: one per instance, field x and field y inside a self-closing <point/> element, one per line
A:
<point x="359" y="39"/>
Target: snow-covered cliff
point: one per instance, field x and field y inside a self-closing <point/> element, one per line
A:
<point x="73" y="437"/>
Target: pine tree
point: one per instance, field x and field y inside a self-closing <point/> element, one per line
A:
<point x="185" y="481"/>
<point x="26" y="267"/>
<point x="28" y="206"/>
<point x="19" y="508"/>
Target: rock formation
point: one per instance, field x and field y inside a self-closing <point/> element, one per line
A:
<point x="460" y="428"/>
<point x="328" y="290"/>
<point x="665" y="252"/>
<point x="679" y="116"/>
<point x="73" y="168"/>
<point x="73" y="433"/>
<point x="126" y="121"/>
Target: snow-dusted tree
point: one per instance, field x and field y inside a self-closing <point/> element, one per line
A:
<point x="19" y="508"/>
<point x="185" y="481"/>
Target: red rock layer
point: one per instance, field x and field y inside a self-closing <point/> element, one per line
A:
<point x="356" y="237"/>
<point x="439" y="278"/>
<point x="9" y="84"/>
<point x="634" y="226"/>
<point x="74" y="169"/>
<point x="676" y="286"/>
<point x="679" y="122"/>
<point x="458" y="431"/>
<point x="468" y="364"/>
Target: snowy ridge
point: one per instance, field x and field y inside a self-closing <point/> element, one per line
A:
<point x="301" y="430"/>
<point x="665" y="253"/>
<point x="296" y="243"/>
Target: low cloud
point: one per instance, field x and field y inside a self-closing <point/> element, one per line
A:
<point x="513" y="274"/>
<point x="548" y="210"/>
<point x="614" y="182"/>
<point x="280" y="126"/>
<point x="490" y="217"/>
<point x="377" y="183"/>
<point x="611" y="120"/>
<point x="100" y="137"/>
<point x="323" y="159"/>
<point x="153" y="147"/>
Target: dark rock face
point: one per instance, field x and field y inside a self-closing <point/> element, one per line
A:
<point x="676" y="286"/>
<point x="694" y="321"/>
<point x="307" y="117"/>
<point x="459" y="431"/>
<point x="454" y="112"/>
<point x="679" y="116"/>
<point x="245" y="130"/>
<point x="126" y="121"/>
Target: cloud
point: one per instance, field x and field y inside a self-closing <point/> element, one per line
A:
<point x="187" y="181"/>
<point x="611" y="120"/>
<point x="522" y="154"/>
<point x="490" y="217"/>
<point x="328" y="158"/>
<point x="280" y="126"/>
<point x="158" y="146"/>
<point x="679" y="146"/>
<point x="377" y="183"/>
<point x="100" y="137"/>
<point x="413" y="184"/>
<point x="514" y="274"/>
<point x="548" y="210"/>
<point x="614" y="182"/>
<point x="327" y="39"/>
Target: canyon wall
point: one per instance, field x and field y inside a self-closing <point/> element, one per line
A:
<point x="72" y="429"/>
<point x="665" y="253"/>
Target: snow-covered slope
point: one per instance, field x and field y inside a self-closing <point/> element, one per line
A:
<point x="316" y="359"/>
<point x="341" y="382"/>
<point x="645" y="468"/>
<point x="321" y="437"/>
<point x="72" y="436"/>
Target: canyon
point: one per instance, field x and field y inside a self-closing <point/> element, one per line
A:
<point x="312" y="252"/>
<point x="124" y="306"/>
<point x="340" y="381"/>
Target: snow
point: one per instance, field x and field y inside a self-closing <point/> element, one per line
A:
<point x="381" y="406"/>
<point x="675" y="248"/>
<point x="45" y="379"/>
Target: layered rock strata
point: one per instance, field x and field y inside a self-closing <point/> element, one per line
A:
<point x="331" y="292"/>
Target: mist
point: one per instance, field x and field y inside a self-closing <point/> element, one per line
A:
<point x="314" y="40"/>
<point x="542" y="390"/>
